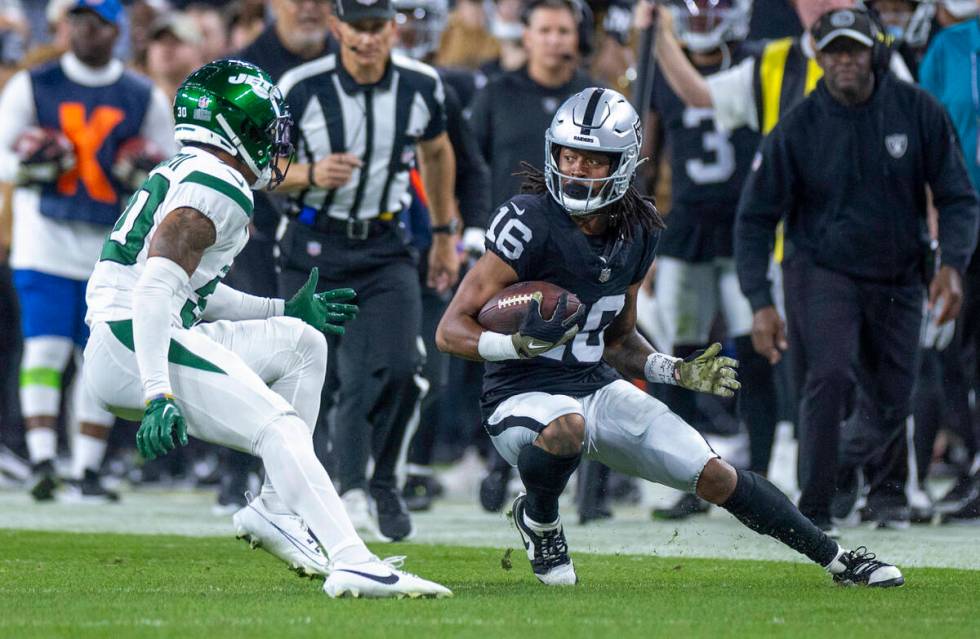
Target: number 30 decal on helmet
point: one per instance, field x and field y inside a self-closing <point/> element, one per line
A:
<point x="234" y="106"/>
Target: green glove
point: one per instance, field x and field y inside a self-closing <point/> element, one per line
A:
<point x="161" y="420"/>
<point x="705" y="372"/>
<point x="321" y="310"/>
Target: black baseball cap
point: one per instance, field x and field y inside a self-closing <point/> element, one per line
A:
<point x="843" y="23"/>
<point x="357" y="10"/>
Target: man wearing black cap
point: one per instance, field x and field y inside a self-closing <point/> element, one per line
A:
<point x="364" y="118"/>
<point x="850" y="164"/>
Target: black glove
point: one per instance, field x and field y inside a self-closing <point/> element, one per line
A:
<point x="538" y="335"/>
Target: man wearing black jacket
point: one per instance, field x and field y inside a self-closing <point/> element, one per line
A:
<point x="849" y="167"/>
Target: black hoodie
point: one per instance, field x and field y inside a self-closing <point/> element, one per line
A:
<point x="851" y="181"/>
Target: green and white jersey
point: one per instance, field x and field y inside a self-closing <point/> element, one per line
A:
<point x="193" y="178"/>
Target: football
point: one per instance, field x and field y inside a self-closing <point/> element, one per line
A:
<point x="506" y="310"/>
<point x="135" y="159"/>
<point x="44" y="154"/>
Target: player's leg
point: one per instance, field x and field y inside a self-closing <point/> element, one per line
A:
<point x="94" y="422"/>
<point x="639" y="435"/>
<point x="542" y="435"/>
<point x="227" y="403"/>
<point x="289" y="357"/>
<point x="48" y="346"/>
<point x="687" y="300"/>
<point x="757" y="396"/>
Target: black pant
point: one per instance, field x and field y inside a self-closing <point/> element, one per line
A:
<point x="11" y="345"/>
<point x="374" y="364"/>
<point x="835" y="322"/>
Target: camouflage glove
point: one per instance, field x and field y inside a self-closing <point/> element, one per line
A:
<point x="161" y="421"/>
<point x="320" y="310"/>
<point x="705" y="372"/>
<point x="538" y="335"/>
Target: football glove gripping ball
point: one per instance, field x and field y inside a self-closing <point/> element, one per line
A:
<point x="325" y="311"/>
<point x="161" y="421"/>
<point x="538" y="335"/>
<point x="705" y="372"/>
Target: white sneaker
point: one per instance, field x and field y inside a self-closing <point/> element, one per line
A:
<point x="359" y="509"/>
<point x="380" y="579"/>
<point x="547" y="551"/>
<point x="282" y="535"/>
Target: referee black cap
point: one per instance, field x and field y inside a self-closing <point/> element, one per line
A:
<point x="357" y="10"/>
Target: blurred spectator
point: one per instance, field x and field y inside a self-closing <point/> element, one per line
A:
<point x="854" y="292"/>
<point x="173" y="52"/>
<point x="89" y="105"/>
<point x="951" y="72"/>
<point x="550" y="76"/>
<point x="142" y="15"/>
<point x="467" y="41"/>
<point x="214" y="32"/>
<point x="56" y="42"/>
<point x="246" y="20"/>
<point x="507" y="27"/>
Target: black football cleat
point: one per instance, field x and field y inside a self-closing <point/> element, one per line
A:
<point x="689" y="504"/>
<point x="45" y="481"/>
<point x="859" y="567"/>
<point x="547" y="550"/>
<point x="420" y="491"/>
<point x="493" y="489"/>
<point x="89" y="489"/>
<point x="394" y="522"/>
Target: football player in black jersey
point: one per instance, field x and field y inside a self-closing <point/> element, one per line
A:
<point x="695" y="277"/>
<point x="554" y="391"/>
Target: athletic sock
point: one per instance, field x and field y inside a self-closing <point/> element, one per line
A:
<point x="545" y="477"/>
<point x="765" y="509"/>
<point x="756" y="400"/>
<point x="42" y="444"/>
<point x="87" y="453"/>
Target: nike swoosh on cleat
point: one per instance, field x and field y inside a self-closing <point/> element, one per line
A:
<point x="389" y="580"/>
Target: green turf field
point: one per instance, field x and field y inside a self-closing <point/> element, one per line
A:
<point x="121" y="586"/>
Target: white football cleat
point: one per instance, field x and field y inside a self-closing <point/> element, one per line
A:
<point x="859" y="567"/>
<point x="359" y="509"/>
<point x="380" y="579"/>
<point x="282" y="535"/>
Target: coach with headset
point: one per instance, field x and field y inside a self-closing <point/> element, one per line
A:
<point x="849" y="166"/>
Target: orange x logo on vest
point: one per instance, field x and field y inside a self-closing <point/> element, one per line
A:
<point x="88" y="136"/>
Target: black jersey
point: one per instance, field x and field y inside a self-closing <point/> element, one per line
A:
<point x="539" y="240"/>
<point x="708" y="167"/>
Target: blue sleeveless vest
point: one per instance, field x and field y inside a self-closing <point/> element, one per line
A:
<point x="97" y="120"/>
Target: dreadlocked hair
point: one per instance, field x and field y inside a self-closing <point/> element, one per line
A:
<point x="624" y="214"/>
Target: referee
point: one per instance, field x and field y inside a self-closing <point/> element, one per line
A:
<point x="364" y="117"/>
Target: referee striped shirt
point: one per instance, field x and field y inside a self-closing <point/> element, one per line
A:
<point x="380" y="123"/>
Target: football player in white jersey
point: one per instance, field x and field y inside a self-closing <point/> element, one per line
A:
<point x="251" y="379"/>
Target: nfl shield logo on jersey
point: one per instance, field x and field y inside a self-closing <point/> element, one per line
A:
<point x="896" y="143"/>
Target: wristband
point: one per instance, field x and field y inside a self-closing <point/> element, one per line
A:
<point x="496" y="347"/>
<point x="150" y="400"/>
<point x="659" y="368"/>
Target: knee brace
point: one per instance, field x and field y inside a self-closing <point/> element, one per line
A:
<point x="41" y="368"/>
